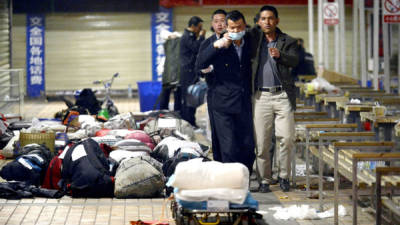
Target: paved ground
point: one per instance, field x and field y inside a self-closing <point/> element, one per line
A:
<point x="120" y="211"/>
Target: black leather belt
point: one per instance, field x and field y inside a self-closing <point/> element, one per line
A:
<point x="271" y="89"/>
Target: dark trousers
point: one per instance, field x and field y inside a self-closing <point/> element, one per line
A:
<point x="214" y="137"/>
<point x="233" y="135"/>
<point x="187" y="113"/>
<point x="165" y="95"/>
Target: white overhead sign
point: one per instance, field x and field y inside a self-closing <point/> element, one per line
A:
<point x="331" y="13"/>
<point x="391" y="11"/>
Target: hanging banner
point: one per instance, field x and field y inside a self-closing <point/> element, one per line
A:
<point x="331" y="13"/>
<point x="35" y="29"/>
<point x="161" y="20"/>
<point x="391" y="11"/>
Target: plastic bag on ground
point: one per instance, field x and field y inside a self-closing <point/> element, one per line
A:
<point x="121" y="121"/>
<point x="46" y="125"/>
<point x="304" y="212"/>
<point x="320" y="84"/>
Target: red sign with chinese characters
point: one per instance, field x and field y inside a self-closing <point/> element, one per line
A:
<point x="391" y="11"/>
<point x="331" y="13"/>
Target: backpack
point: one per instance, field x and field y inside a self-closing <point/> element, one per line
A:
<point x="87" y="99"/>
<point x="29" y="166"/>
<point x="86" y="172"/>
<point x="53" y="174"/>
<point x="139" y="177"/>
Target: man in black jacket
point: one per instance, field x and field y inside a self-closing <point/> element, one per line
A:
<point x="275" y="53"/>
<point x="306" y="62"/>
<point x="189" y="47"/>
<point x="230" y="92"/>
<point x="218" y="25"/>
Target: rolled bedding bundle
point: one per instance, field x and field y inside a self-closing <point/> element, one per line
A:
<point x="237" y="196"/>
<point x="196" y="174"/>
<point x="195" y="180"/>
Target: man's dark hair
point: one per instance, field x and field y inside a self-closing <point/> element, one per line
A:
<point x="256" y="18"/>
<point x="270" y="8"/>
<point x="235" y="15"/>
<point x="218" y="11"/>
<point x="195" y="20"/>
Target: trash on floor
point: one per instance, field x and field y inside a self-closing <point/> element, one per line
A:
<point x="304" y="212"/>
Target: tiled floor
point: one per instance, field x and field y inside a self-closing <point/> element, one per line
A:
<point x="120" y="211"/>
<point x="80" y="211"/>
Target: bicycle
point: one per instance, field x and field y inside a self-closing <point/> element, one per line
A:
<point x="108" y="109"/>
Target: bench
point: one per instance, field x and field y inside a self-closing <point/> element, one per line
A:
<point x="330" y="103"/>
<point x="315" y="126"/>
<point x="350" y="113"/>
<point x="386" y="123"/>
<point x="310" y="114"/>
<point x="324" y="139"/>
<point x="362" y="147"/>
<point x="305" y="108"/>
<point x="388" y="203"/>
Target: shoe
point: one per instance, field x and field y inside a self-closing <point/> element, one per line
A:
<point x="264" y="188"/>
<point x="284" y="184"/>
<point x="253" y="189"/>
<point x="274" y="181"/>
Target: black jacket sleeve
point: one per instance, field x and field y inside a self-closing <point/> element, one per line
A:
<point x="192" y="43"/>
<point x="290" y="55"/>
<point x="207" y="52"/>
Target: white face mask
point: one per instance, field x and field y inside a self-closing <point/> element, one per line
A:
<point x="237" y="36"/>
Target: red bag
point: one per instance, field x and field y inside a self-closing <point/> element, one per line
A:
<point x="53" y="174"/>
<point x="141" y="136"/>
<point x="102" y="132"/>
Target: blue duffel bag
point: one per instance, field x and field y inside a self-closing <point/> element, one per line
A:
<point x="195" y="96"/>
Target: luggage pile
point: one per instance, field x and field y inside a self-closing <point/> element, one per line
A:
<point x="121" y="157"/>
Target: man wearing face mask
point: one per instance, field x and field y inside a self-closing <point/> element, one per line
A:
<point x="230" y="92"/>
<point x="190" y="42"/>
<point x="275" y="53"/>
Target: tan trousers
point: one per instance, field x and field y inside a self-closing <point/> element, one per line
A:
<point x="272" y="108"/>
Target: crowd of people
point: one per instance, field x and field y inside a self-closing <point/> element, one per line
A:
<point x="250" y="73"/>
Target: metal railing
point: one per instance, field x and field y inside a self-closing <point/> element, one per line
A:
<point x="12" y="91"/>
